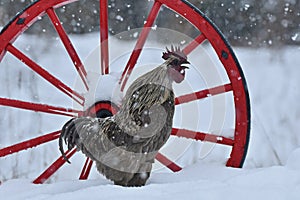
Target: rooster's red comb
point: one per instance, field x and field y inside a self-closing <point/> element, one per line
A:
<point x="175" y="51"/>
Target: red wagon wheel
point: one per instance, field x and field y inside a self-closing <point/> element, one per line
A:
<point x="234" y="84"/>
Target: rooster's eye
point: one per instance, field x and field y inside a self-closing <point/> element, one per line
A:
<point x="175" y="62"/>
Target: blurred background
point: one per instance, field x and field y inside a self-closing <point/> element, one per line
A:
<point x="253" y="23"/>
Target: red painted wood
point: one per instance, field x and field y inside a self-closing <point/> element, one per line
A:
<point x="104" y="46"/>
<point x="46" y="75"/>
<point x="230" y="64"/>
<point x="68" y="45"/>
<point x="203" y="94"/>
<point x="53" y="168"/>
<point x="101" y="106"/>
<point x="140" y="44"/>
<point x="40" y="107"/>
<point x="167" y="162"/>
<point x="29" y="144"/>
<point x="85" y="172"/>
<point x="205" y="137"/>
<point x="194" y="44"/>
<point x="31" y="15"/>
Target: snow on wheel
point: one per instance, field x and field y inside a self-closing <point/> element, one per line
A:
<point x="212" y="105"/>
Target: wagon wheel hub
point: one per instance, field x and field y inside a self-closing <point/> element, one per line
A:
<point x="102" y="109"/>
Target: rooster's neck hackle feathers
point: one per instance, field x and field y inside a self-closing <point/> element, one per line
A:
<point x="151" y="89"/>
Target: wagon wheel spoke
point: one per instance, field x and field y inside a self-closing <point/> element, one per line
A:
<point x="194" y="44"/>
<point x="104" y="45"/>
<point x="45" y="74"/>
<point x="29" y="144"/>
<point x="68" y="45"/>
<point x="54" y="167"/>
<point x="203" y="94"/>
<point x="140" y="44"/>
<point x="202" y="136"/>
<point x="39" y="107"/>
<point x="85" y="172"/>
<point x="167" y="162"/>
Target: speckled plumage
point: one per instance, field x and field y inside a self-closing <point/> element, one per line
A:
<point x="124" y="146"/>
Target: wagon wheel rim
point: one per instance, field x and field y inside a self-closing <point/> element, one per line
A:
<point x="209" y="32"/>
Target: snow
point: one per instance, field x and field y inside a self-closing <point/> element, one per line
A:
<point x="195" y="182"/>
<point x="272" y="164"/>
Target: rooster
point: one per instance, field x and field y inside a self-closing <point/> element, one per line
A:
<point x="124" y="146"/>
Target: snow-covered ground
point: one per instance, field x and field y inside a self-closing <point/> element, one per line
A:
<point x="195" y="182"/>
<point x="272" y="164"/>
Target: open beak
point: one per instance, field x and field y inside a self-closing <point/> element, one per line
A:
<point x="184" y="67"/>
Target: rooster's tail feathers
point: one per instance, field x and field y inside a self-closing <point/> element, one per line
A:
<point x="70" y="134"/>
